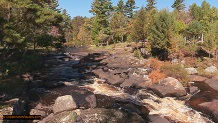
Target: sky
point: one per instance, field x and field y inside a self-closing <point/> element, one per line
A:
<point x="82" y="7"/>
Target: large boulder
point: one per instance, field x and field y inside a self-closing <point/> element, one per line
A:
<point x="211" y="69"/>
<point x="213" y="83"/>
<point x="211" y="108"/>
<point x="191" y="70"/>
<point x="64" y="103"/>
<point x="169" y="87"/>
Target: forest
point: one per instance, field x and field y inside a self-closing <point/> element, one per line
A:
<point x="34" y="24"/>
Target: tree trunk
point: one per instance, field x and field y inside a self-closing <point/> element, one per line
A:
<point x="165" y="54"/>
<point x="34" y="45"/>
<point x="202" y="37"/>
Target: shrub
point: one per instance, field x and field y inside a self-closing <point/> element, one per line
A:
<point x="137" y="54"/>
<point x="156" y="76"/>
<point x="154" y="63"/>
<point x="176" y="71"/>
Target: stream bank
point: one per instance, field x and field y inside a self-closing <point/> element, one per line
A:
<point x="105" y="86"/>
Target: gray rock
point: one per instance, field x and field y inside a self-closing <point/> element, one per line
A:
<point x="115" y="79"/>
<point x="64" y="103"/>
<point x="47" y="119"/>
<point x="193" y="90"/>
<point x="169" y="87"/>
<point x="175" y="61"/>
<point x="191" y="70"/>
<point x="37" y="112"/>
<point x="211" y="69"/>
<point x="132" y="81"/>
<point x="92" y="101"/>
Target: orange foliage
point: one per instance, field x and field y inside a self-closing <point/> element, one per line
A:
<point x="156" y="76"/>
<point x="154" y="63"/>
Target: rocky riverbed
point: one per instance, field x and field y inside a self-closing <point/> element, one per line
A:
<point x="89" y="86"/>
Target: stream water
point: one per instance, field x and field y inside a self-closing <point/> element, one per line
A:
<point x="80" y="86"/>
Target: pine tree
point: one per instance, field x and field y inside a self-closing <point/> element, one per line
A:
<point x="151" y="12"/>
<point x="54" y="5"/>
<point x="163" y="30"/>
<point x="120" y="7"/>
<point x="150" y="5"/>
<point x="130" y="7"/>
<point x="211" y="38"/>
<point x="102" y="9"/>
<point x="139" y="32"/>
<point x="195" y="12"/>
<point x="118" y="26"/>
<point x="77" y="22"/>
<point x="178" y="5"/>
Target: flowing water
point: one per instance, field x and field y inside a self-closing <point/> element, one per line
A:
<point x="172" y="109"/>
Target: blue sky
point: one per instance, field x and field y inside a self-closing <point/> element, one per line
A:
<point x="82" y="7"/>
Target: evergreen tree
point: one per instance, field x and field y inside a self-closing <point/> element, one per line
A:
<point x="194" y="30"/>
<point x="96" y="27"/>
<point x="195" y="12"/>
<point x="211" y="38"/>
<point x="178" y="5"/>
<point x="130" y="7"/>
<point x="120" y="7"/>
<point x="163" y="30"/>
<point x="54" y="5"/>
<point x="150" y="5"/>
<point x="102" y="9"/>
<point x="205" y="13"/>
<point x="118" y="26"/>
<point x="139" y="32"/>
<point x="77" y="22"/>
<point x="150" y="17"/>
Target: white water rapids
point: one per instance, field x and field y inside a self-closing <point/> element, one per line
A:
<point x="174" y="110"/>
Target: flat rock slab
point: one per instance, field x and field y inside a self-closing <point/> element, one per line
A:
<point x="64" y="103"/>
